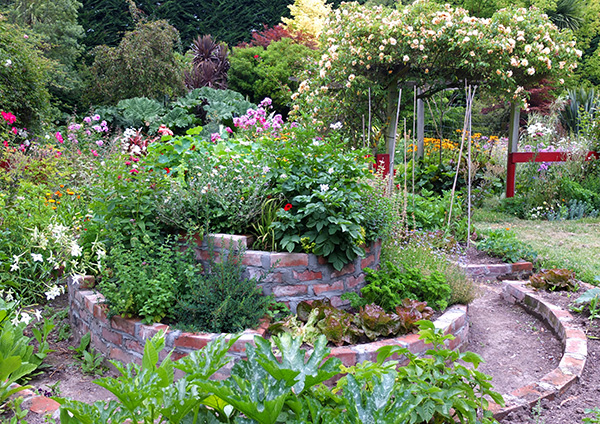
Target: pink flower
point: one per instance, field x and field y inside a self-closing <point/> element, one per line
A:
<point x="26" y="36"/>
<point x="134" y="171"/>
<point x="163" y="130"/>
<point x="87" y="119"/>
<point x="96" y="117"/>
<point x="14" y="130"/>
<point x="9" y="117"/>
<point x="99" y="143"/>
<point x="214" y="137"/>
<point x="135" y="159"/>
<point x="95" y="153"/>
<point x="229" y="130"/>
<point x="5" y="143"/>
<point x="127" y="163"/>
<point x="59" y="137"/>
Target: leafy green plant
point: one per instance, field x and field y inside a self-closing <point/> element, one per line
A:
<point x="221" y="299"/>
<point x="504" y="244"/>
<point x="591" y="300"/>
<point x="341" y="327"/>
<point x="554" y="279"/>
<point x="280" y="382"/>
<point x="393" y="283"/>
<point x="144" y="280"/>
<point x="89" y="360"/>
<point x="595" y="418"/>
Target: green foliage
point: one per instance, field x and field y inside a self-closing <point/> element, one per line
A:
<point x="591" y="300"/>
<point x="142" y="65"/>
<point x="144" y="279"/>
<point x="89" y="360"/>
<point x="281" y="383"/>
<point x="504" y="244"/>
<point x="273" y="72"/>
<point x="595" y="418"/>
<point x="222" y="299"/>
<point x="554" y="279"/>
<point x="323" y="186"/>
<point x="340" y="327"/>
<point x="582" y="102"/>
<point x="24" y="73"/>
<point x="393" y="283"/>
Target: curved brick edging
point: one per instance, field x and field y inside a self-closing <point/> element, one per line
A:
<point x="294" y="277"/>
<point x="570" y="368"/>
<point x="123" y="339"/>
<point x="494" y="271"/>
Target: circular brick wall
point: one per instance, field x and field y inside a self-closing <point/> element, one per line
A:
<point x="123" y="339"/>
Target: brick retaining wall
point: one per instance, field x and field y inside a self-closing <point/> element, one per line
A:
<point x="123" y="339"/>
<point x="296" y="276"/>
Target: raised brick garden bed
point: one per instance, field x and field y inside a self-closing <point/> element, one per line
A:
<point x="495" y="271"/>
<point x="123" y="339"/>
<point x="296" y="277"/>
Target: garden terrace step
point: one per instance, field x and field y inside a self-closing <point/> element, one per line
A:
<point x="123" y="339"/>
<point x="570" y="368"/>
<point x="498" y="271"/>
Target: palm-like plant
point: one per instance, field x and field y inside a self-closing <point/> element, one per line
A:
<point x="580" y="111"/>
<point x="209" y="65"/>
<point x="568" y="14"/>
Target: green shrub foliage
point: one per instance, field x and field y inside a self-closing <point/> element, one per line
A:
<point x="221" y="300"/>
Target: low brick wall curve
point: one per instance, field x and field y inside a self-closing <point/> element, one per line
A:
<point x="123" y="339"/>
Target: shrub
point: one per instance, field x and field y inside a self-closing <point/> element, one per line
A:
<point x="142" y="65"/>
<point x="221" y="300"/>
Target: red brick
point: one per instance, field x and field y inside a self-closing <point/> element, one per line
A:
<point x="498" y="269"/>
<point x="415" y="345"/>
<point x="120" y="355"/>
<point x="176" y="355"/>
<point x="522" y="266"/>
<point x="90" y="300"/>
<point x="528" y="393"/>
<point x="134" y="345"/>
<point x="347" y="269"/>
<point x="43" y="405"/>
<point x="307" y="275"/>
<point x="576" y="346"/>
<point x="229" y="241"/>
<point x="126" y="325"/>
<point x="100" y="312"/>
<point x="192" y="341"/>
<point x="367" y="261"/>
<point x="240" y="345"/>
<point x="112" y="337"/>
<point x="283" y="291"/>
<point x="147" y="332"/>
<point x="352" y="282"/>
<point x="322" y="260"/>
<point x="559" y="380"/>
<point x="280" y="260"/>
<point x="345" y="354"/>
<point x="252" y="259"/>
<point x="571" y="366"/>
<point x="87" y="282"/>
<point x="337" y="301"/>
<point x="322" y="288"/>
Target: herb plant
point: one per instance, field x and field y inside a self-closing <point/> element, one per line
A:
<point x="393" y="283"/>
<point x="505" y="245"/>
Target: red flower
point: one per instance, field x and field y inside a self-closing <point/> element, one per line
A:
<point x="256" y="56"/>
<point x="167" y="169"/>
<point x="287" y="207"/>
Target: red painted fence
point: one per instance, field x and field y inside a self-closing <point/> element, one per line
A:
<point x="523" y="157"/>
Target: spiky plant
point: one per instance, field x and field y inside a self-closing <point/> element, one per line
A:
<point x="209" y="65"/>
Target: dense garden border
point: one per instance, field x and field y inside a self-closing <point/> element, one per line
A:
<point x="571" y="365"/>
<point x="123" y="339"/>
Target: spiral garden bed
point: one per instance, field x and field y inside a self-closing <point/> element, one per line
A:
<point x="294" y="277"/>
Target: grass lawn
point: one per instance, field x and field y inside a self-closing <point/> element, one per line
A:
<point x="559" y="244"/>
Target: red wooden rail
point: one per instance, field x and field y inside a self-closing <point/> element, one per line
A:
<point x="522" y="157"/>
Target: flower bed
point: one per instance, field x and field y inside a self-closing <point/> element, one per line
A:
<point x="123" y="339"/>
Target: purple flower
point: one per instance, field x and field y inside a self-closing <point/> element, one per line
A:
<point x="96" y="117"/>
<point x="87" y="119"/>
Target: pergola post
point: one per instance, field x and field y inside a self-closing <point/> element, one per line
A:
<point x="420" y="125"/>
<point x="513" y="140"/>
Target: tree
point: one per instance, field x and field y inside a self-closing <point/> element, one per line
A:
<point x="435" y="47"/>
<point x="209" y="64"/>
<point x="144" y="64"/>
<point x="271" y="72"/>
<point x="308" y="16"/>
<point x="23" y="77"/>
